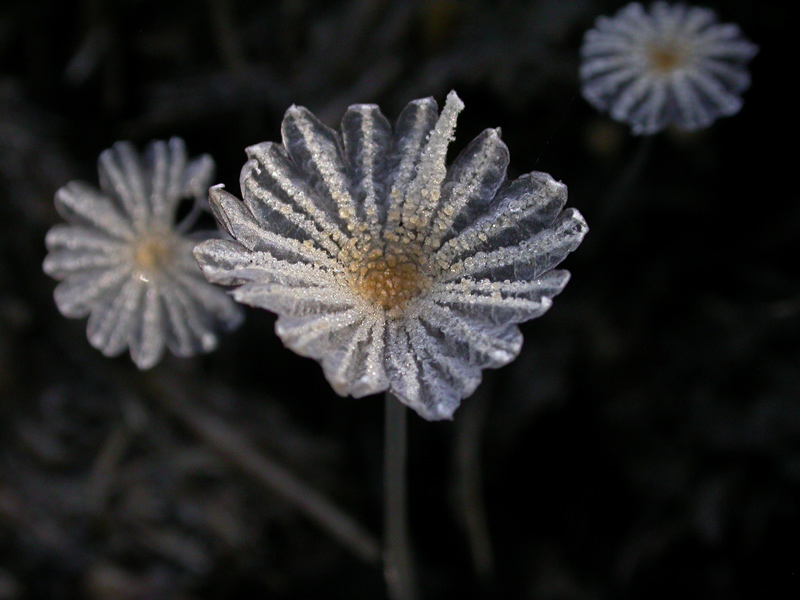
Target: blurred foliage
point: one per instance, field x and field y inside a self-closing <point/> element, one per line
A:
<point x="644" y="444"/>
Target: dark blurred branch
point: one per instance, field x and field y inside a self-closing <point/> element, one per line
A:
<point x="241" y="454"/>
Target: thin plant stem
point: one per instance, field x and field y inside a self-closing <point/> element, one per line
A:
<point x="616" y="201"/>
<point x="398" y="568"/>
<point x="469" y="483"/>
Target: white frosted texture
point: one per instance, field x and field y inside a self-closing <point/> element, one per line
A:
<point x="669" y="64"/>
<point x="122" y="263"/>
<point x="392" y="270"/>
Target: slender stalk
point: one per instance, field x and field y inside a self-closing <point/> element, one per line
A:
<point x="616" y="201"/>
<point x="469" y="483"/>
<point x="398" y="568"/>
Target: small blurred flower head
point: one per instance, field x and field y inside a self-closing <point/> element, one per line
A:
<point x="391" y="269"/>
<point x="670" y="64"/>
<point x="123" y="263"/>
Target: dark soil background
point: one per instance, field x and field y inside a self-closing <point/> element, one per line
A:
<point x="645" y="444"/>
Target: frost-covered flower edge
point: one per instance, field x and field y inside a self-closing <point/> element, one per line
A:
<point x="670" y="64"/>
<point x="394" y="271"/>
<point x="124" y="264"/>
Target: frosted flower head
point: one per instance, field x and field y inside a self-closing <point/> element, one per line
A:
<point x="667" y="65"/>
<point x="394" y="271"/>
<point x="123" y="263"/>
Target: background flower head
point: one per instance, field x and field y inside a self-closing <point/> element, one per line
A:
<point x="394" y="271"/>
<point x="670" y="64"/>
<point x="125" y="265"/>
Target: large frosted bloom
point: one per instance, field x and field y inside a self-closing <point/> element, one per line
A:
<point x="668" y="65"/>
<point x="394" y="271"/>
<point x="127" y="267"/>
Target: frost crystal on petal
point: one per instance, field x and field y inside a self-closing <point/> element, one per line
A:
<point x="122" y="262"/>
<point x="671" y="64"/>
<point x="392" y="270"/>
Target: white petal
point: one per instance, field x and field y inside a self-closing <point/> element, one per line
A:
<point x="315" y="334"/>
<point x="529" y="259"/>
<point x="64" y="263"/>
<point x="191" y="324"/>
<point x="81" y="204"/>
<point x="423" y="194"/>
<point x="82" y="238"/>
<point x="476" y="341"/>
<point x="472" y="182"/>
<point x="185" y="332"/>
<point x="229" y="263"/>
<point x="501" y="302"/>
<point x="220" y="311"/>
<point x="147" y="337"/>
<point x="77" y="295"/>
<point x="367" y="137"/>
<point x="280" y="199"/>
<point x="316" y="151"/>
<point x="423" y="375"/>
<point x="295" y="301"/>
<point x="353" y="364"/>
<point x="414" y="125"/>
<point x="245" y="229"/>
<point x="113" y="319"/>
<point x="521" y="209"/>
<point x="122" y="177"/>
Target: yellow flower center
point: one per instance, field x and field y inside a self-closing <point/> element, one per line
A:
<point x="389" y="275"/>
<point x="665" y="57"/>
<point x="152" y="254"/>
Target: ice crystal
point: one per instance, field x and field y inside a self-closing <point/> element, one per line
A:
<point x="671" y="64"/>
<point x="124" y="263"/>
<point x="394" y="271"/>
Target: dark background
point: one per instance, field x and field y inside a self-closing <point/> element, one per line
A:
<point x="645" y="444"/>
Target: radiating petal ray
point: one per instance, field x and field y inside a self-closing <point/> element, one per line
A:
<point x="193" y="322"/>
<point x="77" y="294"/>
<point x="147" y="339"/>
<point x="316" y="150"/>
<point x="447" y="378"/>
<point x="121" y="177"/>
<point x="62" y="263"/>
<point x="212" y="301"/>
<point x="313" y="334"/>
<point x="242" y="226"/>
<point x="281" y="201"/>
<point x="113" y="319"/>
<point x="414" y="125"/>
<point x="367" y="137"/>
<point x="81" y="204"/>
<point x="158" y="161"/>
<point x="424" y="192"/>
<point x="294" y="301"/>
<point x="80" y="237"/>
<point x="182" y="332"/>
<point x="502" y="302"/>
<point x="229" y="263"/>
<point x="352" y="366"/>
<point x="421" y="376"/>
<point x="527" y="205"/>
<point x="472" y="181"/>
<point x="486" y="345"/>
<point x="529" y="259"/>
